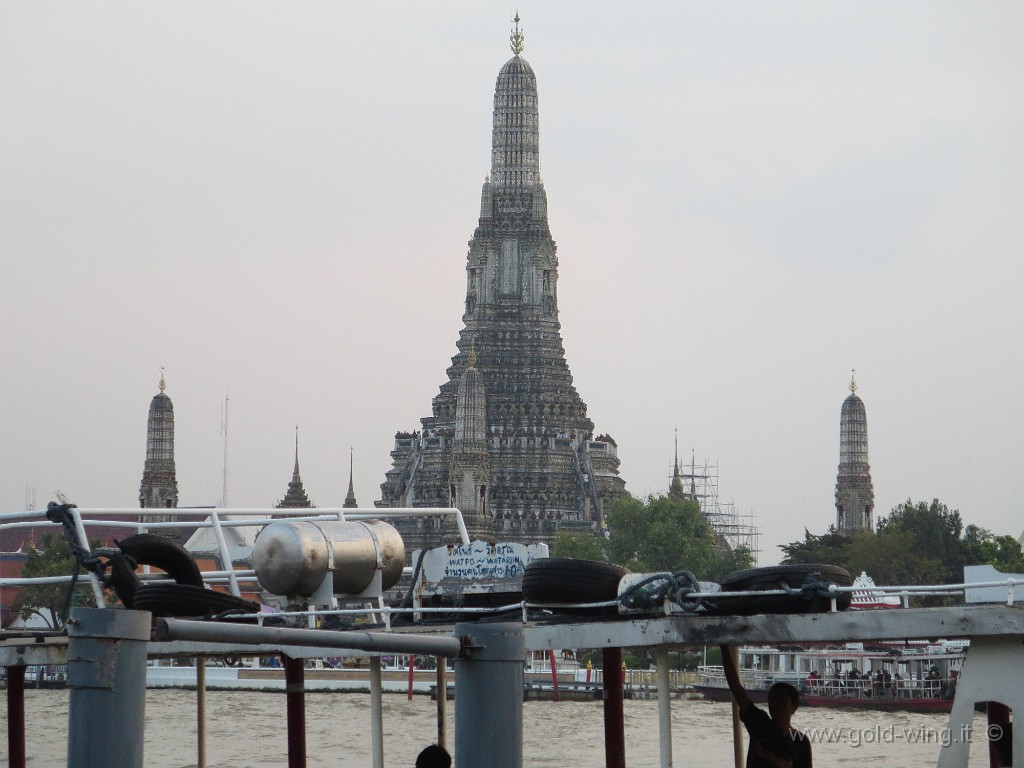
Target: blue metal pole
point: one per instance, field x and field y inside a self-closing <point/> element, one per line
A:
<point x="489" y="681"/>
<point x="107" y="680"/>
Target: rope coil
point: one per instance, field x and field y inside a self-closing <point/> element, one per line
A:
<point x="680" y="587"/>
<point x="61" y="513"/>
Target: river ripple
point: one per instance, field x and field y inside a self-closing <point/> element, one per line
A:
<point x="248" y="729"/>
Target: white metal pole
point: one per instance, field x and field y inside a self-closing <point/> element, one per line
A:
<point x="376" y="714"/>
<point x="462" y="527"/>
<point x="201" y="712"/>
<point x="225" y="555"/>
<point x="664" y="708"/>
<point x="737" y="726"/>
<point x="97" y="589"/>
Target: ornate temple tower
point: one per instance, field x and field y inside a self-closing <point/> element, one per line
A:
<point x="544" y="468"/>
<point x="159" y="486"/>
<point x="470" y="474"/>
<point x="855" y="495"/>
<point x="295" y="497"/>
<point x="350" y="497"/>
<point x="676" y="489"/>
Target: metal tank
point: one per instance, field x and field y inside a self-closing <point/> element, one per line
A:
<point x="293" y="558"/>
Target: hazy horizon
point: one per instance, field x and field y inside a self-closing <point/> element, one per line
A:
<point x="273" y="203"/>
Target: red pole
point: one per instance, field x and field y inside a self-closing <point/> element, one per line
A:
<point x="412" y="667"/>
<point x="554" y="672"/>
<point x="295" y="695"/>
<point x="614" y="728"/>
<point x="16" y="717"/>
<point x="998" y="724"/>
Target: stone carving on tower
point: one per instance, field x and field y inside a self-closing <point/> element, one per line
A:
<point x="544" y="469"/>
<point x="855" y="494"/>
<point x="295" y="497"/>
<point x="469" y="477"/>
<point x="159" y="486"/>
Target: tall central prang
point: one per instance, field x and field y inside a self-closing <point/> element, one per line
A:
<point x="509" y="442"/>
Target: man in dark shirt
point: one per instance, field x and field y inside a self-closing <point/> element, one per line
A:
<point x="774" y="743"/>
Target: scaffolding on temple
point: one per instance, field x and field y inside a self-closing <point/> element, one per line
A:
<point x="736" y="529"/>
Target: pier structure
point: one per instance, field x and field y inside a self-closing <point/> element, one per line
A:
<point x="508" y="435"/>
<point x="106" y="651"/>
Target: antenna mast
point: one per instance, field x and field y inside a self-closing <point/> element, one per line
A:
<point x="224" y="435"/>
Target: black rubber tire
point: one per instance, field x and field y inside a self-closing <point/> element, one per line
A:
<point x="792" y="575"/>
<point x="122" y="578"/>
<point x="774" y="577"/>
<point x="189" y="601"/>
<point x="567" y="580"/>
<point x="163" y="553"/>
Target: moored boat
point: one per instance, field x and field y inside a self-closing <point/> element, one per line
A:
<point x="319" y="675"/>
<point x="913" y="677"/>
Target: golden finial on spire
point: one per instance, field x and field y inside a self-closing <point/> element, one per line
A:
<point x="516" y="38"/>
<point x="853" y="380"/>
<point x="163" y="384"/>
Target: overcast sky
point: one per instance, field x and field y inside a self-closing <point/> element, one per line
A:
<point x="272" y="201"/>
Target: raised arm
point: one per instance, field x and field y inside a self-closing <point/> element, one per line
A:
<point x="732" y="676"/>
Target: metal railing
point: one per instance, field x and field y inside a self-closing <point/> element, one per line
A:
<point x="216" y="519"/>
<point x="219" y="519"/>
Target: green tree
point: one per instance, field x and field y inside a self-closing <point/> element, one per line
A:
<point x="586" y="547"/>
<point x="831" y="548"/>
<point x="917" y="543"/>
<point x="892" y="557"/>
<point x="982" y="547"/>
<point x="934" y="531"/>
<point x="664" y="534"/>
<point x="49" y="600"/>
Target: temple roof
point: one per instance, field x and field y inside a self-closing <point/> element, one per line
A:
<point x="515" y="138"/>
<point x="677" y="490"/>
<point x="295" y="497"/>
<point x="517" y="65"/>
<point x="350" y="497"/>
<point x="159" y="486"/>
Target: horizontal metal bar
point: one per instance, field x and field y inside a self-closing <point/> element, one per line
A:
<point x="360" y="513"/>
<point x="845" y="626"/>
<point x="223" y="632"/>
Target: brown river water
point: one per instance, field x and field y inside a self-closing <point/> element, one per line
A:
<point x="248" y="729"/>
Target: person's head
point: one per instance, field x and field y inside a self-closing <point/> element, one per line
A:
<point x="434" y="757"/>
<point x="783" y="701"/>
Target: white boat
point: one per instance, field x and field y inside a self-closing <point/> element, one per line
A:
<point x="913" y="677"/>
<point x="319" y="675"/>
